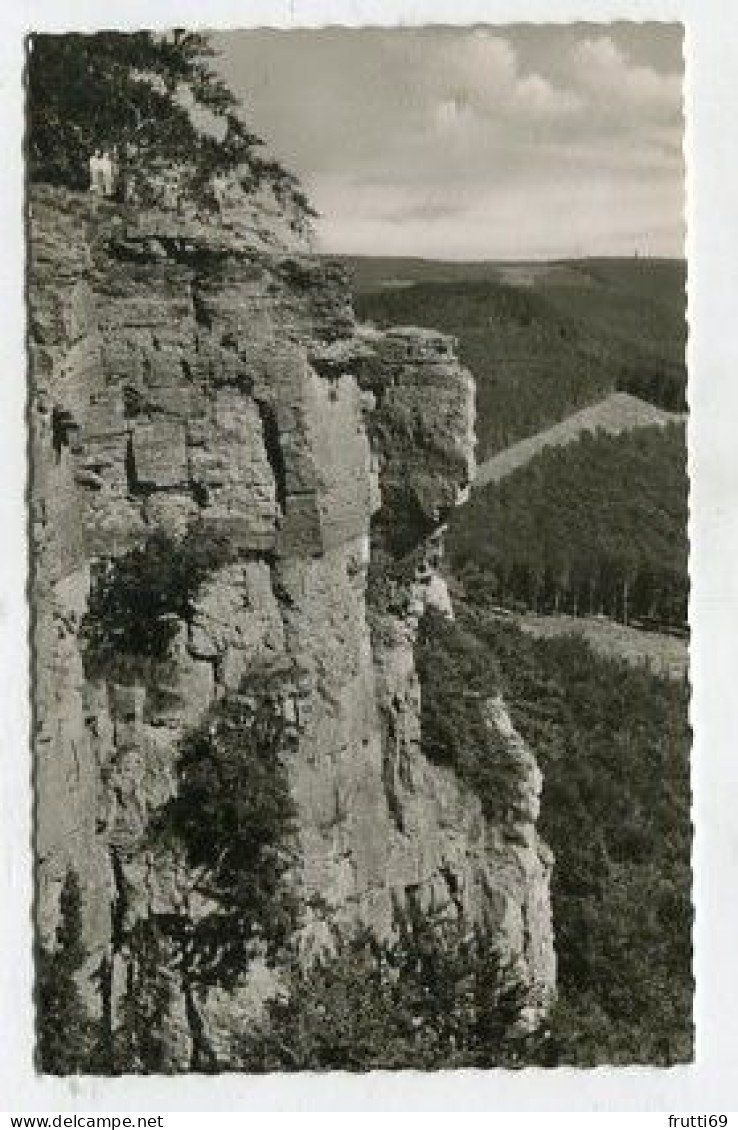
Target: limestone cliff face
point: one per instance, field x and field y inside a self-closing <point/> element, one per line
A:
<point x="190" y="373"/>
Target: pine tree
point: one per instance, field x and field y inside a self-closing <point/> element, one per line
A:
<point x="234" y="817"/>
<point x="65" y="1033"/>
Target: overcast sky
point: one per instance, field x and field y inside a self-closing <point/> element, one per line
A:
<point x="474" y="143"/>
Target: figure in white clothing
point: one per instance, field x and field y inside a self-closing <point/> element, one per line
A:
<point x="102" y="173"/>
<point x="220" y="185"/>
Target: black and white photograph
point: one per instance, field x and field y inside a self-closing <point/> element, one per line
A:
<point x="357" y="511"/>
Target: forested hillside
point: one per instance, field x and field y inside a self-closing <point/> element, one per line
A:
<point x="613" y="744"/>
<point x="597" y="527"/>
<point x="544" y="339"/>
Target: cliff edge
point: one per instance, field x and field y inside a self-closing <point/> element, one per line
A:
<point x="192" y="375"/>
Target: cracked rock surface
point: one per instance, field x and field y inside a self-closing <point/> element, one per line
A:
<point x="198" y="375"/>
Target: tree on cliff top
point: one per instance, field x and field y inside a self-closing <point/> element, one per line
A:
<point x="154" y="98"/>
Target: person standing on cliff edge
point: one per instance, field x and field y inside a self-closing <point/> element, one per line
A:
<point x="102" y="173"/>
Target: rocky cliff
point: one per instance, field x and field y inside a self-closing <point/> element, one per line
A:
<point x="187" y="374"/>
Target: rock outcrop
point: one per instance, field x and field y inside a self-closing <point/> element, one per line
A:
<point x="187" y="373"/>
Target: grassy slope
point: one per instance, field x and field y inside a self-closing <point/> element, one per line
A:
<point x="618" y="412"/>
<point x="662" y="654"/>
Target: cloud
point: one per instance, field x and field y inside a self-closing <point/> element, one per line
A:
<point x="557" y="216"/>
<point x="612" y="83"/>
<point x="477" y="75"/>
<point x="478" y="141"/>
<point x="542" y="99"/>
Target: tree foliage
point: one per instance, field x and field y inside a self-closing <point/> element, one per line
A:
<point x="438" y="995"/>
<point x="158" y="101"/>
<point x="457" y="673"/>
<point x="139" y="599"/>
<point x="598" y="526"/>
<point x="233" y="816"/>
<point x="613" y="744"/>
<point x="138" y="1045"/>
<point x="664" y="385"/>
<point x="66" y="1035"/>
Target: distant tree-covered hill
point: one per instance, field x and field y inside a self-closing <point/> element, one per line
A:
<point x="598" y="526"/>
<point x="542" y="339"/>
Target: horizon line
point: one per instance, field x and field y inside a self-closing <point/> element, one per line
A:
<point x="503" y="259"/>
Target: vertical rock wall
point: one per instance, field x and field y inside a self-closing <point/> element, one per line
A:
<point x="186" y="374"/>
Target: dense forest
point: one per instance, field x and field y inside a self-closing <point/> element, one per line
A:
<point x="613" y="744"/>
<point x="540" y="351"/>
<point x="596" y="527"/>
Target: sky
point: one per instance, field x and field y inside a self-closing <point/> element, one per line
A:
<point x="509" y="142"/>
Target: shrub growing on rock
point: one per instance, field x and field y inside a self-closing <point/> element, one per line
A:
<point x="233" y="816"/>
<point x="436" y="996"/>
<point x="458" y="671"/>
<point x="139" y="599"/>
